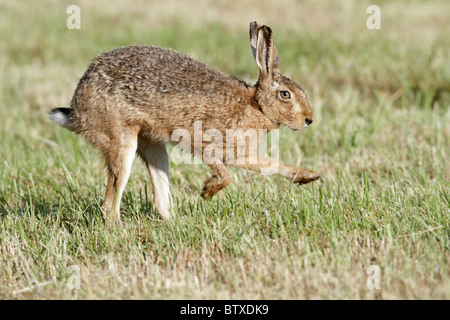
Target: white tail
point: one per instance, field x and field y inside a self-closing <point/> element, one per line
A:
<point x="61" y="116"/>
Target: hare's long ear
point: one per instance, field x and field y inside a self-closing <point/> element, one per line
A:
<point x="254" y="37"/>
<point x="265" y="53"/>
<point x="254" y="26"/>
<point x="276" y="58"/>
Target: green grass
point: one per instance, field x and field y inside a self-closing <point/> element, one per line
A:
<point x="380" y="139"/>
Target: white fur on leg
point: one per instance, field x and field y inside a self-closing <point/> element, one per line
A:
<point x="157" y="159"/>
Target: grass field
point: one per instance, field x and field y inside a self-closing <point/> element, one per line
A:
<point x="380" y="139"/>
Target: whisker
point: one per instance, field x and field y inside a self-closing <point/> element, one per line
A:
<point x="283" y="130"/>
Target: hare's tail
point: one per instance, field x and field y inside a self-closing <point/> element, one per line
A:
<point x="61" y="116"/>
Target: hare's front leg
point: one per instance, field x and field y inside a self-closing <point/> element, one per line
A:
<point x="157" y="161"/>
<point x="271" y="167"/>
<point x="220" y="179"/>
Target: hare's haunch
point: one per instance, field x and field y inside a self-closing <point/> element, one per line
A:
<point x="136" y="99"/>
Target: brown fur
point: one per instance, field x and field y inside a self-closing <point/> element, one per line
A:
<point x="133" y="98"/>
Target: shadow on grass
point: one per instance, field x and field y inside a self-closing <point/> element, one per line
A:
<point x="76" y="210"/>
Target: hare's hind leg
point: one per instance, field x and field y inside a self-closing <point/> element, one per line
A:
<point x="119" y="156"/>
<point x="156" y="158"/>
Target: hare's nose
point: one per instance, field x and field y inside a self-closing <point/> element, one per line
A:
<point x="308" y="121"/>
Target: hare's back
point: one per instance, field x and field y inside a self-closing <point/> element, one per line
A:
<point x="155" y="69"/>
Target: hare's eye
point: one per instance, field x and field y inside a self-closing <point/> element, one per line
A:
<point x="285" y="95"/>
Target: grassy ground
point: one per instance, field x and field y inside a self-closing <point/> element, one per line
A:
<point x="381" y="140"/>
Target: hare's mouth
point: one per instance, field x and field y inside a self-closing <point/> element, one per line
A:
<point x="296" y="128"/>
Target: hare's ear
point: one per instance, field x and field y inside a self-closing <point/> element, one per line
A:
<point x="254" y="37"/>
<point x="276" y="58"/>
<point x="254" y="26"/>
<point x="265" y="52"/>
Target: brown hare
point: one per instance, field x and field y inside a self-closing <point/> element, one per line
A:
<point x="133" y="99"/>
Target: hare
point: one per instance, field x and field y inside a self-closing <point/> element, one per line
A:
<point x="133" y="99"/>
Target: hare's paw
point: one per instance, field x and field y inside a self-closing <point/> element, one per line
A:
<point x="214" y="185"/>
<point x="305" y="176"/>
<point x="211" y="187"/>
<point x="207" y="193"/>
